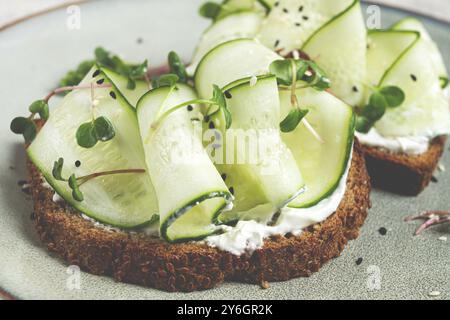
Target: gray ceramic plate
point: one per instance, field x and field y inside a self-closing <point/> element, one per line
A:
<point x="38" y="51"/>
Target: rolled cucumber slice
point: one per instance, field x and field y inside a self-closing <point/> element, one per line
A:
<point x="239" y="25"/>
<point x="257" y="157"/>
<point x="339" y="47"/>
<point x="322" y="164"/>
<point x="132" y="96"/>
<point x="425" y="111"/>
<point x="191" y="192"/>
<point x="384" y="48"/>
<point x="126" y="200"/>
<point x="230" y="61"/>
<point x="292" y="22"/>
<point x="435" y="55"/>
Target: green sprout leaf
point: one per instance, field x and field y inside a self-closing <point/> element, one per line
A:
<point x="177" y="67"/>
<point x="103" y="129"/>
<point x="25" y="127"/>
<point x="363" y="124"/>
<point x="210" y="10"/>
<point x="40" y="107"/>
<point x="89" y="133"/>
<point x="57" y="169"/>
<point x="86" y="136"/>
<point x="376" y="108"/>
<point x="74" y="77"/>
<point x="283" y="70"/>
<point x="76" y="192"/>
<point x="221" y="102"/>
<point x="393" y="95"/>
<point x="444" y="82"/>
<point x="292" y="120"/>
<point x="165" y="80"/>
<point x="318" y="80"/>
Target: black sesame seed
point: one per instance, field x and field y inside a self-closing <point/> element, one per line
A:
<point x="77" y="163"/>
<point x="355" y="89"/>
<point x="113" y="95"/>
<point x="277" y="4"/>
<point x="211" y="125"/>
<point x="359" y="261"/>
<point x="224" y="176"/>
<point x="382" y="231"/>
<point x="96" y="73"/>
<point x="232" y="190"/>
<point x="434" y="179"/>
<point x="300" y="9"/>
<point x="413" y="77"/>
<point x="228" y="95"/>
<point x="305" y="18"/>
<point x="277" y="42"/>
<point x="285" y="10"/>
<point x="190" y="108"/>
<point x="206" y="118"/>
<point x="298" y="24"/>
<point x="100" y="81"/>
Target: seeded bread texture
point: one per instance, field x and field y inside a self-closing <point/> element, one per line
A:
<point x="143" y="260"/>
<point x="401" y="173"/>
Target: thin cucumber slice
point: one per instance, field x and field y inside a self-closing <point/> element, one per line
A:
<point x="384" y="48"/>
<point x="232" y="60"/>
<point x="292" y="22"/>
<point x="339" y="47"/>
<point x="235" y="26"/>
<point x="126" y="200"/>
<point x="435" y="55"/>
<point x="132" y="96"/>
<point x="322" y="164"/>
<point x="254" y="147"/>
<point x="190" y="191"/>
<point x="425" y="111"/>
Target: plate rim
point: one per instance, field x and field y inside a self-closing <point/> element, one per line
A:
<point x="25" y="18"/>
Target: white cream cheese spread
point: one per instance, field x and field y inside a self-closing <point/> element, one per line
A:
<point x="248" y="236"/>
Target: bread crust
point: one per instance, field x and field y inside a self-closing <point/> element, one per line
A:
<point x="401" y="173"/>
<point x="150" y="262"/>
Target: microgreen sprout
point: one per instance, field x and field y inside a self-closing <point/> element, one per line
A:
<point x="75" y="182"/>
<point x="288" y="72"/>
<point x="210" y="10"/>
<point x="431" y="218"/>
<point x="381" y="99"/>
<point x="105" y="58"/>
<point x="132" y="72"/>
<point x="444" y="82"/>
<point x="99" y="129"/>
<point x="216" y="104"/>
<point x="177" y="73"/>
<point x="26" y="126"/>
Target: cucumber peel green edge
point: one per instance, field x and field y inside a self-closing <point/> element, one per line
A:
<point x="172" y="217"/>
<point x="74" y="203"/>
<point x="350" y="142"/>
<point x="332" y="20"/>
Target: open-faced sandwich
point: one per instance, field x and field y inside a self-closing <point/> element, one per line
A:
<point x="395" y="79"/>
<point x="245" y="170"/>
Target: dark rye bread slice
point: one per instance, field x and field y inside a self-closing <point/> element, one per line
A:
<point x="401" y="173"/>
<point x="150" y="262"/>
